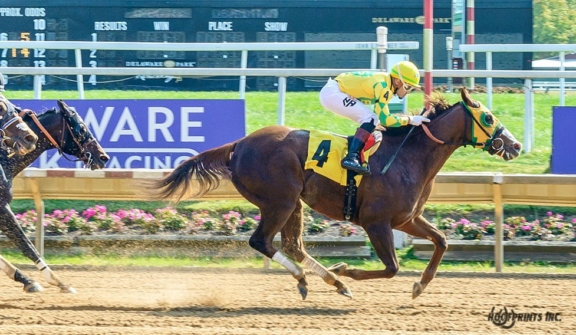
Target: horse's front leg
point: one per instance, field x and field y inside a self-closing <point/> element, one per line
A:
<point x="382" y="240"/>
<point x="10" y="227"/>
<point x="15" y="274"/>
<point x="420" y="227"/>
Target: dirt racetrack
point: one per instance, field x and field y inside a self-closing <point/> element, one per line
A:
<point x="256" y="301"/>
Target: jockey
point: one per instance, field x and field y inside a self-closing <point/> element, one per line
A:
<point x="350" y="93"/>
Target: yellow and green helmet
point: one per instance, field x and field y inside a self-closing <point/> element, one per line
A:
<point x="407" y="72"/>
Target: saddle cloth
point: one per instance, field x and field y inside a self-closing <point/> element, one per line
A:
<point x="326" y="150"/>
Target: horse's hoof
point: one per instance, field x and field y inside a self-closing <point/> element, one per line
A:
<point x="338" y="268"/>
<point x="303" y="287"/>
<point x="33" y="288"/>
<point x="67" y="289"/>
<point x="303" y="291"/>
<point x="417" y="289"/>
<point x="345" y="292"/>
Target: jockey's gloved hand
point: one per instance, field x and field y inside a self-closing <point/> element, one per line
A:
<point x="417" y="120"/>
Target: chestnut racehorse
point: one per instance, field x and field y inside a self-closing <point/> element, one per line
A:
<point x="267" y="168"/>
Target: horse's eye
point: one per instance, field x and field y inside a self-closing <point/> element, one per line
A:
<point x="488" y="119"/>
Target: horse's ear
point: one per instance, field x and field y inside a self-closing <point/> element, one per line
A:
<point x="64" y="108"/>
<point x="467" y="99"/>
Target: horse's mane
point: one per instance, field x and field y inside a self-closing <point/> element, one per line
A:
<point x="27" y="117"/>
<point x="438" y="105"/>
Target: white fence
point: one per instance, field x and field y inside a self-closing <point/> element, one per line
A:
<point x="373" y="47"/>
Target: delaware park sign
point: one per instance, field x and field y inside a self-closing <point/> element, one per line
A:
<point x="153" y="134"/>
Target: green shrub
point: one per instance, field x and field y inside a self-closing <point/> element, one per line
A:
<point x="171" y="219"/>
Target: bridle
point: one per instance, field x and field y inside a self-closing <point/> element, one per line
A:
<point x="489" y="144"/>
<point x="85" y="156"/>
<point x="491" y="139"/>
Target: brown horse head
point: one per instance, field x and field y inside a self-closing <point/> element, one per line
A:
<point x="488" y="132"/>
<point x="17" y="137"/>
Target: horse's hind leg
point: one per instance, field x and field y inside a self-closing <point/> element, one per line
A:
<point x="420" y="227"/>
<point x="293" y="245"/>
<point x="15" y="274"/>
<point x="272" y="219"/>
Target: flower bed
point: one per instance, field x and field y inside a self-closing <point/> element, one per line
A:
<point x="167" y="231"/>
<point x="552" y="227"/>
<point x="98" y="220"/>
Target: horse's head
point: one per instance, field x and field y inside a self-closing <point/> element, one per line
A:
<point x="77" y="140"/>
<point x="16" y="136"/>
<point x="488" y="132"/>
<point x="69" y="134"/>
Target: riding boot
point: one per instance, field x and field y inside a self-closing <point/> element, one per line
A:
<point x="352" y="159"/>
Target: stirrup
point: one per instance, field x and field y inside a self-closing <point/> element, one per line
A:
<point x="356" y="167"/>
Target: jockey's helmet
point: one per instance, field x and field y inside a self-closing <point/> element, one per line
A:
<point x="407" y="72"/>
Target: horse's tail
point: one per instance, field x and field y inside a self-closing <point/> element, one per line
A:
<point x="208" y="168"/>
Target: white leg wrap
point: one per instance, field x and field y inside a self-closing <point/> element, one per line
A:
<point x="41" y="264"/>
<point x="8" y="268"/>
<point x="46" y="272"/>
<point x="313" y="265"/>
<point x="294" y="269"/>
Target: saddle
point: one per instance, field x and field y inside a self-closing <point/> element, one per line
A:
<point x="326" y="150"/>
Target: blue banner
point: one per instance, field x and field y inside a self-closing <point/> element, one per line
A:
<point x="154" y="134"/>
<point x="563" y="140"/>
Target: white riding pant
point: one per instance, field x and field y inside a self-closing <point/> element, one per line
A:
<point x="345" y="105"/>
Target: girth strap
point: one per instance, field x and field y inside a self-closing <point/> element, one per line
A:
<point x="350" y="196"/>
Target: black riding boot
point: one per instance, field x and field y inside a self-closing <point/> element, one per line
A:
<point x="352" y="160"/>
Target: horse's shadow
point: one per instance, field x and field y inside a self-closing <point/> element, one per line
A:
<point x="218" y="312"/>
<point x="203" y="311"/>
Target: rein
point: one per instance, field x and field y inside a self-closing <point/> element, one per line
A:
<point x="464" y="142"/>
<point x="433" y="138"/>
<point x="32" y="115"/>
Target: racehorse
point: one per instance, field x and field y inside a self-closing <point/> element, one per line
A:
<point x="267" y="168"/>
<point x="15" y="136"/>
<point x="65" y="131"/>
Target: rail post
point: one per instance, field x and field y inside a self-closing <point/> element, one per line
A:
<point x="281" y="100"/>
<point x="79" y="77"/>
<point x="499" y="221"/>
<point x="449" y="48"/>
<point x="382" y="41"/>
<point x="39" y="204"/>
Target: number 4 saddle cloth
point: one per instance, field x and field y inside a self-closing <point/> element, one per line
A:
<point x="326" y="150"/>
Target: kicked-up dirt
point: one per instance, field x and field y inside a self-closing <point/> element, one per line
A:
<point x="159" y="301"/>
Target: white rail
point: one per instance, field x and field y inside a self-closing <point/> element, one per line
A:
<point x="243" y="71"/>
